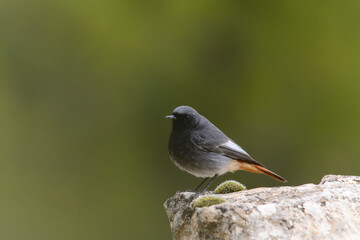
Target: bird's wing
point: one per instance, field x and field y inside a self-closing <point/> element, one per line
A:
<point x="221" y="144"/>
<point x="234" y="151"/>
<point x="212" y="139"/>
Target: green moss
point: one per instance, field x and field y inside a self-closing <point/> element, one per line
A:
<point x="207" y="201"/>
<point x="229" y="187"/>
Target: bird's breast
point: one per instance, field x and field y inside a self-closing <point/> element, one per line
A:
<point x="189" y="157"/>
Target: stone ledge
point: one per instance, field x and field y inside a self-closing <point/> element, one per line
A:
<point x="330" y="210"/>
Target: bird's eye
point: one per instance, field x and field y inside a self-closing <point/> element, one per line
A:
<point x="187" y="117"/>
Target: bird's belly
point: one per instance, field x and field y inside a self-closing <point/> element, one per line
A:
<point x="202" y="165"/>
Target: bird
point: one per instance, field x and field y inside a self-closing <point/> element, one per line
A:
<point x="200" y="148"/>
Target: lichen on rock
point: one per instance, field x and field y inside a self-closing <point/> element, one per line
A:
<point x="229" y="187"/>
<point x="206" y="201"/>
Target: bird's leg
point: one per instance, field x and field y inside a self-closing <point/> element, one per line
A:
<point x="211" y="181"/>
<point x="202" y="182"/>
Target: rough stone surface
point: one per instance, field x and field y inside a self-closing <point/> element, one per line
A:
<point x="330" y="210"/>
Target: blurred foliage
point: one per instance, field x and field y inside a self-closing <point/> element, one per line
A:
<point x="84" y="87"/>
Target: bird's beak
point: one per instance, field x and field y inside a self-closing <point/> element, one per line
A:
<point x="172" y="117"/>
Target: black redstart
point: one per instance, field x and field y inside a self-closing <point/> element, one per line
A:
<point x="200" y="148"/>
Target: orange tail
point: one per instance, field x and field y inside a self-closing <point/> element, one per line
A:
<point x="270" y="173"/>
<point x="238" y="165"/>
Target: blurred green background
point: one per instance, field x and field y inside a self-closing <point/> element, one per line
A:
<point x="85" y="86"/>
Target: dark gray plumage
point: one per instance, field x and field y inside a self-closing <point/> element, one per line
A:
<point x="200" y="148"/>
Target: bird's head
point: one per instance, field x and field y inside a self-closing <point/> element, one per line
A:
<point x="184" y="117"/>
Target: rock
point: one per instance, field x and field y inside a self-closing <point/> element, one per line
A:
<point x="330" y="210"/>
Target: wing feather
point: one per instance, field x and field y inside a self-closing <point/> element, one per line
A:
<point x="234" y="151"/>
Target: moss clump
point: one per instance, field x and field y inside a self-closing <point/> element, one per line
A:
<point x="207" y="201"/>
<point x="229" y="187"/>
